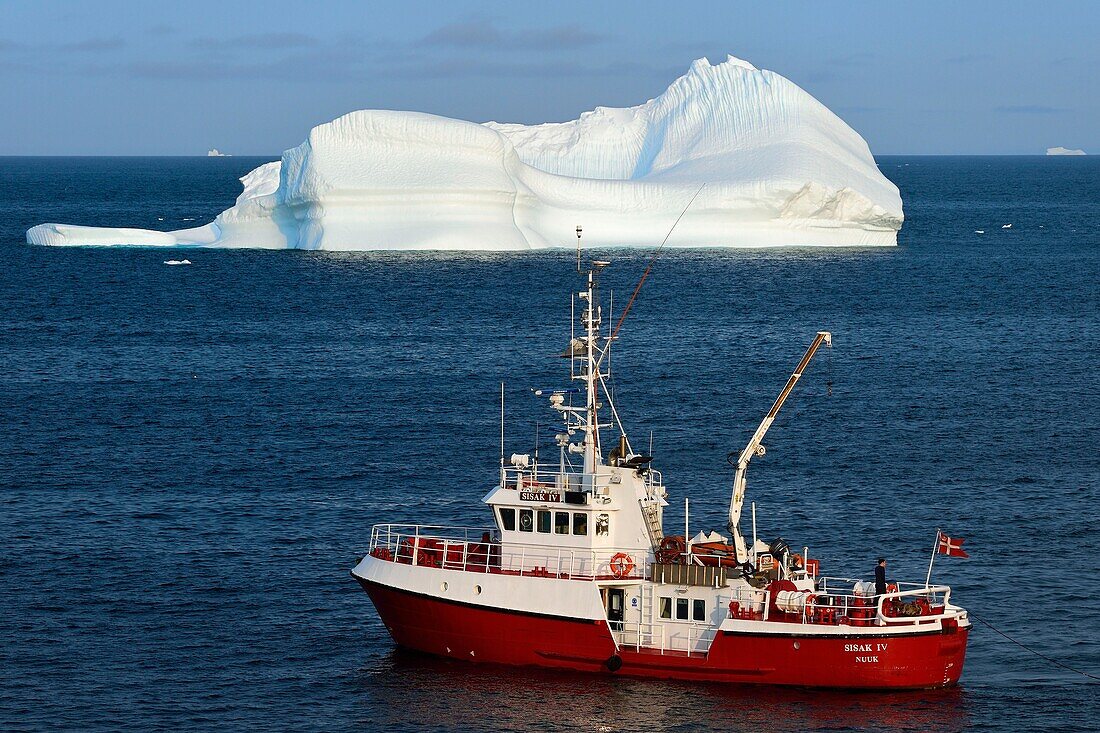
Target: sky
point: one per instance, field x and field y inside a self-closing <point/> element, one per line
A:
<point x="122" y="77"/>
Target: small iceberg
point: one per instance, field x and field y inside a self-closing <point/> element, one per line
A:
<point x="1065" y="151"/>
<point x="177" y="262"/>
<point x="1006" y="226"/>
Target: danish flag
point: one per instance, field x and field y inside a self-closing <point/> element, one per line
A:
<point x="951" y="546"/>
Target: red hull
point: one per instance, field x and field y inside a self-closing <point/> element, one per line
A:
<point x="462" y="631"/>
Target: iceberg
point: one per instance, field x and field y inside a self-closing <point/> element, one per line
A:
<point x="1065" y="151"/>
<point x="767" y="163"/>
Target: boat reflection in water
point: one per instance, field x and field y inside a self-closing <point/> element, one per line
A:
<point x="420" y="692"/>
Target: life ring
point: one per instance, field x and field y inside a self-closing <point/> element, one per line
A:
<point x="671" y="550"/>
<point x="621" y="565"/>
<point x="892" y="588"/>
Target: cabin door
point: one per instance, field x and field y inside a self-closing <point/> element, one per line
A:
<point x="616" y="607"/>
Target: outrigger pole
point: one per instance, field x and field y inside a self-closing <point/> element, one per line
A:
<point x="756" y="447"/>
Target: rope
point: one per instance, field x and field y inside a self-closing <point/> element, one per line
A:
<point x="1038" y="654"/>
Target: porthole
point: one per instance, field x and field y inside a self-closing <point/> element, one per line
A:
<point x="443" y="586"/>
<point x="797" y="645"/>
<point x="477" y="589"/>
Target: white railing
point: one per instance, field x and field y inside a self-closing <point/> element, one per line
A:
<point x="553" y="479"/>
<point x="543" y="479"/>
<point x="664" y="637"/>
<point x="480" y="550"/>
<point x="907" y="604"/>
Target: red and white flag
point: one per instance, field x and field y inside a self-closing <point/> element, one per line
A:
<point x="951" y="546"/>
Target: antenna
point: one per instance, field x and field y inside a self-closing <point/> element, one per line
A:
<point x="502" y="434"/>
<point x="578" y="248"/>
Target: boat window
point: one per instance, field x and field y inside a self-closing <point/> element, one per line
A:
<point x="526" y="520"/>
<point x="561" y="522"/>
<point x="698" y="610"/>
<point x="580" y="523"/>
<point x="544" y="521"/>
<point x="681" y="609"/>
<point x="508" y="519"/>
<point x="666" y="607"/>
<point x="603" y="525"/>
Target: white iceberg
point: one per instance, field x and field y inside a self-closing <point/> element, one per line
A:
<point x="1065" y="151"/>
<point x="775" y="167"/>
<point x="215" y="153"/>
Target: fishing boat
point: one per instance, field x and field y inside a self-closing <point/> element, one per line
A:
<point x="577" y="572"/>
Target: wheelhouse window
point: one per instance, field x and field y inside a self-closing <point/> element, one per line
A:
<point x="665" y="607"/>
<point x="508" y="519"/>
<point x="561" y="522"/>
<point x="526" y="520"/>
<point x="580" y="523"/>
<point x="543" y="524"/>
<point x="698" y="610"/>
<point x="681" y="609"/>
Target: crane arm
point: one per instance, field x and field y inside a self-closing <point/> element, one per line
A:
<point x="756" y="447"/>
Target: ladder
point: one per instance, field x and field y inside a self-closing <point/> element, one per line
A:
<point x="652" y="522"/>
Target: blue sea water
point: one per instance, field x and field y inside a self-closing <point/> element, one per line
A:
<point x="191" y="458"/>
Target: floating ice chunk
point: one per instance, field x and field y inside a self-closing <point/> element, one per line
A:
<point x="1065" y="151"/>
<point x="1006" y="226"/>
<point x="67" y="235"/>
<point x="779" y="169"/>
<point x="979" y="231"/>
<point x="177" y="262"/>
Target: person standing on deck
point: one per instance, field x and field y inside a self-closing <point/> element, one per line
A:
<point x="880" y="577"/>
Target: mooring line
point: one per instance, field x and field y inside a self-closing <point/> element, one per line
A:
<point x="1038" y="654"/>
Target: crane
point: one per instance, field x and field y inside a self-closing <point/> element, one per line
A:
<point x="756" y="447"/>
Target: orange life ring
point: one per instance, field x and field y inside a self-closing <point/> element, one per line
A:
<point x="892" y="588"/>
<point x="621" y="565"/>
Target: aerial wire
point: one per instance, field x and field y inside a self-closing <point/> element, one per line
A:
<point x="638" y="287"/>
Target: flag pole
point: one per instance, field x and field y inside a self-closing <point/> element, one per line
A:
<point x="935" y="546"/>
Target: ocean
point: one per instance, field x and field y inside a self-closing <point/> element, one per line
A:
<point x="191" y="458"/>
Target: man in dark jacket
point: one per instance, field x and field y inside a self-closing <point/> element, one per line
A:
<point x="880" y="577"/>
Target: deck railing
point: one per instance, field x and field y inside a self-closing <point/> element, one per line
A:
<point x="664" y="637"/>
<point x="479" y="550"/>
<point x="847" y="601"/>
<point x="549" y="478"/>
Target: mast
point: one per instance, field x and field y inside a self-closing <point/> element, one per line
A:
<point x="756" y="447"/>
<point x="592" y="317"/>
